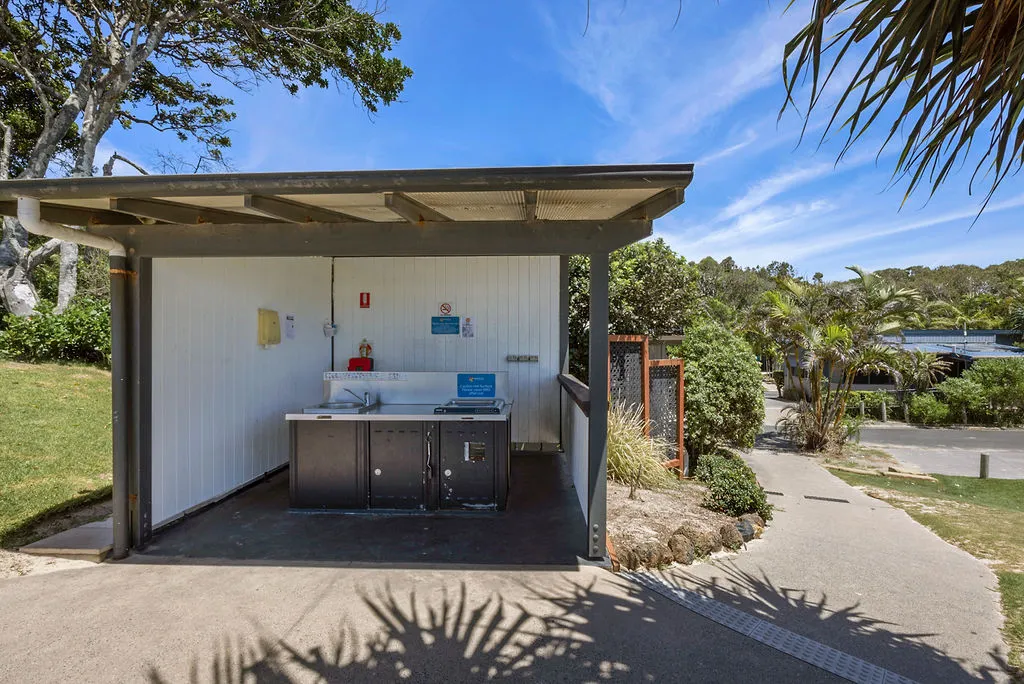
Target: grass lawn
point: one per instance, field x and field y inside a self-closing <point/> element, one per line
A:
<point x="55" y="450"/>
<point x="983" y="517"/>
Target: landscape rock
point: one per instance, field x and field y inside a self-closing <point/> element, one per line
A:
<point x="746" y="529"/>
<point x="649" y="553"/>
<point x="682" y="549"/>
<point x="754" y="519"/>
<point x="731" y="537"/>
<point x="705" y="542"/>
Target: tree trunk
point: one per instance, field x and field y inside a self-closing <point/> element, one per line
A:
<point x="17" y="293"/>
<point x="67" y="287"/>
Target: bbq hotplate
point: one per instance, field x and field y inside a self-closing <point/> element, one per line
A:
<point x="474" y="406"/>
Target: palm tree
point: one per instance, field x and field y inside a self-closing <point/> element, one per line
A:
<point x="953" y="316"/>
<point x="922" y="370"/>
<point x="832" y="337"/>
<point x="942" y="71"/>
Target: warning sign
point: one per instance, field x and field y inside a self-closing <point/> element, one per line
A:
<point x="445" y="309"/>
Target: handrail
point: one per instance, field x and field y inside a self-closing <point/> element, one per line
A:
<point x="577" y="391"/>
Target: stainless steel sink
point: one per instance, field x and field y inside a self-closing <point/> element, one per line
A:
<point x="340" y="407"/>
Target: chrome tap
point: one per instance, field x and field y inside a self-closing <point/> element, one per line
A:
<point x="365" y="398"/>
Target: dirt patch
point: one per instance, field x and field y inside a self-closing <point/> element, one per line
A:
<point x="857" y="456"/>
<point x="664" y="526"/>
<point x="58" y="522"/>
<point x="15" y="564"/>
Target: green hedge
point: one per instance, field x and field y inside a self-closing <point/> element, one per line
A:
<point x="928" y="410"/>
<point x="732" y="486"/>
<point x="80" y="334"/>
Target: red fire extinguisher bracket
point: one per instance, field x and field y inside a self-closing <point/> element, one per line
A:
<point x="364" y="300"/>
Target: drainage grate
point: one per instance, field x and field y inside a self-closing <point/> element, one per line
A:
<point x="768" y="491"/>
<point x="800" y="647"/>
<point x="825" y="498"/>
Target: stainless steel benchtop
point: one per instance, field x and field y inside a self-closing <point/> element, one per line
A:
<point x="404" y="412"/>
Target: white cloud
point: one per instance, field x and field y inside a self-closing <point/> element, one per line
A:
<point x="749" y="137"/>
<point x="662" y="86"/>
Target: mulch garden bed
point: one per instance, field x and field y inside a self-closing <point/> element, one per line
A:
<point x="665" y="526"/>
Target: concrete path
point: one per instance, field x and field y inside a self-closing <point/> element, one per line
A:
<point x="950" y="451"/>
<point x="861" y="577"/>
<point x="127" y="622"/>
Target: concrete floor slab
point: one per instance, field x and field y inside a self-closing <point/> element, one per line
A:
<point x="542" y="526"/>
<point x="91" y="541"/>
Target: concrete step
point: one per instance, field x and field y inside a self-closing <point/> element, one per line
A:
<point x="91" y="541"/>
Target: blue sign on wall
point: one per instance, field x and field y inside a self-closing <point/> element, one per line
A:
<point x="481" y="385"/>
<point x="444" y="325"/>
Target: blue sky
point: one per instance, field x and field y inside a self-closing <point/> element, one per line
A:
<point x="518" y="82"/>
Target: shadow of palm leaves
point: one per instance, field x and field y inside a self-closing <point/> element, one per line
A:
<point x="846" y="628"/>
<point x="455" y="640"/>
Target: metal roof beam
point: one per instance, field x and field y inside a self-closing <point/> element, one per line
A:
<point x="470" y="238"/>
<point x="295" y="212"/>
<point x="73" y="216"/>
<point x="411" y="210"/>
<point x="606" y="177"/>
<point x="530" y="201"/>
<point x="175" y="212"/>
<point x="654" y="207"/>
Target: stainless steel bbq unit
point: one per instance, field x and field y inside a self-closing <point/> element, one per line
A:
<point x="452" y="457"/>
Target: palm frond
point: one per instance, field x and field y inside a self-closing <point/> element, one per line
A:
<point x="947" y="70"/>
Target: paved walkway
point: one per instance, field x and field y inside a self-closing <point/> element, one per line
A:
<point x="950" y="451"/>
<point x="131" y="622"/>
<point x="861" y="577"/>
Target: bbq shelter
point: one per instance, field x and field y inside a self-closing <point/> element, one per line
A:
<point x="343" y="257"/>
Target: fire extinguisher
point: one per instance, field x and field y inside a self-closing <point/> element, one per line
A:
<point x="365" y="349"/>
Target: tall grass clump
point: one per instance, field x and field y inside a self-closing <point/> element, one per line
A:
<point x="634" y="459"/>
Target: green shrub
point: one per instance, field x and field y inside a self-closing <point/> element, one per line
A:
<point x="928" y="410"/>
<point x="724" y="393"/>
<point x="872" y="404"/>
<point x="634" y="459"/>
<point x="732" y="486"/>
<point x="80" y="334"/>
<point x="1002" y="381"/>
<point x="965" y="395"/>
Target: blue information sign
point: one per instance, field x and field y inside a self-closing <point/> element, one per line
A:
<point x="480" y="385"/>
<point x="444" y="325"/>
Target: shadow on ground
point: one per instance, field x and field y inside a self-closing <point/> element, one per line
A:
<point x="575" y="632"/>
<point x="847" y="629"/>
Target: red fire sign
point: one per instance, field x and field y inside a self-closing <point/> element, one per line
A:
<point x="364" y="300"/>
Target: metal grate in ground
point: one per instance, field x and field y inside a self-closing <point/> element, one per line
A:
<point x="825" y="657"/>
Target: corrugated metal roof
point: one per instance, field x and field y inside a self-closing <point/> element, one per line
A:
<point x="967" y="351"/>
<point x="423" y="212"/>
<point x="555" y="193"/>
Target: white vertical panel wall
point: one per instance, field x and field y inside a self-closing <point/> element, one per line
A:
<point x="219" y="399"/>
<point x="513" y="302"/>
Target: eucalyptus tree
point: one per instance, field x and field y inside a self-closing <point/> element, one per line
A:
<point x="154" y="63"/>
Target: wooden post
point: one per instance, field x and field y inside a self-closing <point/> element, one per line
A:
<point x="645" y="380"/>
<point x="683" y="461"/>
<point x="862" y="409"/>
<point x="983" y="474"/>
<point x="884" y="416"/>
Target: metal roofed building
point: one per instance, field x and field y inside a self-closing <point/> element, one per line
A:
<point x="198" y="406"/>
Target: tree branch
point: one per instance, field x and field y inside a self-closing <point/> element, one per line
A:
<point x="5" y="150"/>
<point x="42" y="253"/>
<point x="108" y="168"/>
